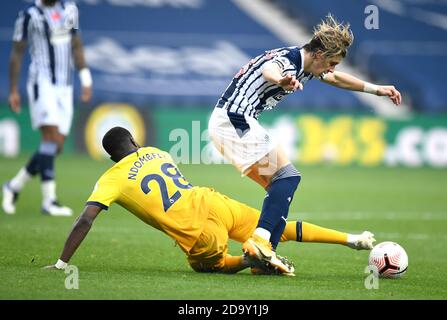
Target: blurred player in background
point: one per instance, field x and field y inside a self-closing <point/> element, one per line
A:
<point x="50" y="29"/>
<point x="147" y="182"/>
<point x="261" y="85"/>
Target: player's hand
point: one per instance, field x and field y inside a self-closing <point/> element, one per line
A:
<point x="290" y="84"/>
<point x="391" y="92"/>
<point x="14" y="101"/>
<point x="86" y="94"/>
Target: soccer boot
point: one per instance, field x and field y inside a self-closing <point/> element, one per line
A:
<point x="57" y="210"/>
<point x="9" y="199"/>
<point x="267" y="269"/>
<point x="264" y="271"/>
<point x="259" y="249"/>
<point x="363" y="241"/>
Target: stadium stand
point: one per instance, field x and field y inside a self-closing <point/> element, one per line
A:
<point x="412" y="56"/>
<point x="171" y="52"/>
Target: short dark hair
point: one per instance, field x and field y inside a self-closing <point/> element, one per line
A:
<point x="117" y="142"/>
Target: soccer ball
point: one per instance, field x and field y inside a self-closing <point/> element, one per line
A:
<point x="390" y="259"/>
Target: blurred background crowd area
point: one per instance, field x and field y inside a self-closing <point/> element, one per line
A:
<point x="159" y="66"/>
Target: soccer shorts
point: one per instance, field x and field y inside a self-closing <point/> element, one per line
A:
<point x="241" y="141"/>
<point x="228" y="219"/>
<point x="50" y="105"/>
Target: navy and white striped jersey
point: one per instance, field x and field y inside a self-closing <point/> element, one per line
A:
<point x="250" y="94"/>
<point x="48" y="31"/>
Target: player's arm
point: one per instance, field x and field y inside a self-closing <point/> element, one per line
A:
<point x="15" y="65"/>
<point x="81" y="65"/>
<point x="272" y="72"/>
<point x="346" y="81"/>
<point x="79" y="231"/>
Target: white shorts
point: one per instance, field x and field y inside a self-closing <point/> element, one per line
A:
<point x="50" y="105"/>
<point x="243" y="142"/>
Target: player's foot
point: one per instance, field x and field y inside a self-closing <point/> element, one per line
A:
<point x="57" y="210"/>
<point x="260" y="250"/>
<point x="363" y="241"/>
<point x="270" y="272"/>
<point x="267" y="269"/>
<point x="9" y="199"/>
<point x="263" y="271"/>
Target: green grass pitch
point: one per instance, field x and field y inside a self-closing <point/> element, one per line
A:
<point x="122" y="258"/>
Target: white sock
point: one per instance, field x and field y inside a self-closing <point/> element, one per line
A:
<point x="48" y="192"/>
<point x="352" y="238"/>
<point x="263" y="233"/>
<point x="21" y="178"/>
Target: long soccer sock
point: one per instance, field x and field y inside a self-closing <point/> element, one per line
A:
<point x="48" y="152"/>
<point x="277" y="202"/>
<point x="25" y="174"/>
<point x="18" y="182"/>
<point x="308" y="232"/>
<point x="48" y="188"/>
<point x="277" y="233"/>
<point x="33" y="166"/>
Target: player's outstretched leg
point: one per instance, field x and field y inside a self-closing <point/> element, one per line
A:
<point x="307" y="232"/>
<point x="274" y="213"/>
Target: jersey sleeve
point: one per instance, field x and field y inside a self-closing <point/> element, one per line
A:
<point x="284" y="63"/>
<point x="105" y="192"/>
<point x="21" y="26"/>
<point x="72" y="16"/>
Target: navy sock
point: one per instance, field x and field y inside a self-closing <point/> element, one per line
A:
<point x="276" y="234"/>
<point x="275" y="237"/>
<point x="47" y="152"/>
<point x="33" y="165"/>
<point x="276" y="207"/>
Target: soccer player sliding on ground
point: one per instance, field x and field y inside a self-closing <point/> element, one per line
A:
<point x="146" y="182"/>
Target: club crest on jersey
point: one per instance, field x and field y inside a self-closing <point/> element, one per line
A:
<point x="55" y="16"/>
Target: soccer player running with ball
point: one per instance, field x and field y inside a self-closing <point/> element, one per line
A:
<point x="147" y="182"/>
<point x="50" y="29"/>
<point x="261" y="85"/>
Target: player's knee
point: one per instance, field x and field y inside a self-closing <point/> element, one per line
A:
<point x="203" y="267"/>
<point x="50" y="133"/>
<point x="214" y="263"/>
<point x="294" y="181"/>
<point x="197" y="267"/>
<point x="287" y="175"/>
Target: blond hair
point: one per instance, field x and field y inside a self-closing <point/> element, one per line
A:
<point x="331" y="37"/>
